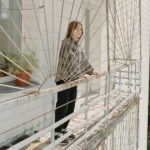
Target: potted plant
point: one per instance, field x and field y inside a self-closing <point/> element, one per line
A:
<point x="24" y="65"/>
<point x="3" y="65"/>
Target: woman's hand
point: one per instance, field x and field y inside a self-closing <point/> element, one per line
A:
<point x="96" y="73"/>
<point x="86" y="76"/>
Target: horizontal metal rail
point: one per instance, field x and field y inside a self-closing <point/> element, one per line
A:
<point x="53" y="126"/>
<point x="99" y="123"/>
<point x="84" y="108"/>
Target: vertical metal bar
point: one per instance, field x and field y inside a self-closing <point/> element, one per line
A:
<point x="86" y="112"/>
<point x="100" y="86"/>
<point x="137" y="143"/>
<point x="54" y="95"/>
<point x="87" y="50"/>
<point x="87" y="35"/>
<point x="140" y="74"/>
<point x="103" y="146"/>
<point x="119" y="86"/>
<point x="108" y="57"/>
<point x="135" y="77"/>
<point x="120" y="77"/>
<point x="87" y="32"/>
<point x="131" y="77"/>
<point x="140" y="28"/>
<point x="105" y="102"/>
<point x="114" y="46"/>
<point x="114" y="57"/>
<point x="113" y="141"/>
<point x="107" y="31"/>
<point x="107" y="91"/>
<point x="128" y="79"/>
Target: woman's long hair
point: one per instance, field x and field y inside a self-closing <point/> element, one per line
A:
<point x="72" y="26"/>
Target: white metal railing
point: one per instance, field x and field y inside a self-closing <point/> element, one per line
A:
<point x="124" y="134"/>
<point x="125" y="90"/>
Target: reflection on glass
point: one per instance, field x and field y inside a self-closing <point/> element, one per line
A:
<point x="3" y="13"/>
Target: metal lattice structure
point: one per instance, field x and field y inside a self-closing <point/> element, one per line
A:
<point x="105" y="118"/>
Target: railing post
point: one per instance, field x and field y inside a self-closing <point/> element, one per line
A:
<point x="107" y="91"/>
<point x="131" y="79"/>
<point x="87" y="50"/>
<point x="105" y="102"/>
<point x="135" y="75"/>
<point x="128" y="78"/>
<point x="103" y="146"/>
<point x="119" y="86"/>
<point x="54" y="96"/>
<point x="108" y="60"/>
<point x="86" y="112"/>
<point x="113" y="141"/>
<point x="139" y="64"/>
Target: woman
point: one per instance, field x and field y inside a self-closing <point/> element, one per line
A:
<point x="71" y="66"/>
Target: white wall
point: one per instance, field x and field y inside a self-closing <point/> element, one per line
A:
<point x="145" y="76"/>
<point x="29" y="24"/>
<point x="17" y="113"/>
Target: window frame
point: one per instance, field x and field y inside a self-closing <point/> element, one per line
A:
<point x="10" y="5"/>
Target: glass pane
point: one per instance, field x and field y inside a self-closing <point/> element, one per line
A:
<point x="7" y="25"/>
<point x="4" y="14"/>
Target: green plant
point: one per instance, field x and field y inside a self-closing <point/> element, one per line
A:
<point x="5" y="62"/>
<point x="2" y="65"/>
<point x="19" y="60"/>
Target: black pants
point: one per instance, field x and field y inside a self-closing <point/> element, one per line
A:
<point x="64" y="97"/>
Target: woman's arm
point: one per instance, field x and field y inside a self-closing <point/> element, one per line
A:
<point x="85" y="65"/>
<point x="88" y="69"/>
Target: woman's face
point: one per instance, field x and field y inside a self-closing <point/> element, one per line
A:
<point x="77" y="33"/>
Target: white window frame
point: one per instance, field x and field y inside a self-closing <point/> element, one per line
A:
<point x="4" y="16"/>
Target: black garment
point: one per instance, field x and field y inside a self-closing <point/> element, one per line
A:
<point x="64" y="97"/>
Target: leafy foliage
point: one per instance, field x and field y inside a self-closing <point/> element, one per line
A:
<point x="23" y="63"/>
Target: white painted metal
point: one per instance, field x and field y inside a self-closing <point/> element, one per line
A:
<point x="82" y="109"/>
<point x="133" y="83"/>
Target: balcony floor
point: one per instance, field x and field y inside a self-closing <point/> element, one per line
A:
<point x="45" y="140"/>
